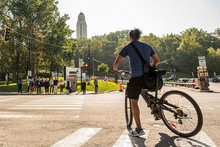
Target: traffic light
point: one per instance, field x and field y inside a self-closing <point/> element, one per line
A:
<point x="86" y="67"/>
<point x="27" y="64"/>
<point x="27" y="61"/>
<point x="6" y="35"/>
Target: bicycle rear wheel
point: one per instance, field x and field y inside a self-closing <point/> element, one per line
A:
<point x="128" y="112"/>
<point x="187" y="120"/>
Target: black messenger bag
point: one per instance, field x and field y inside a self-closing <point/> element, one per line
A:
<point x="150" y="78"/>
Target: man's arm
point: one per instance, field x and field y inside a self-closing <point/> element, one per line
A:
<point x="117" y="62"/>
<point x="155" y="59"/>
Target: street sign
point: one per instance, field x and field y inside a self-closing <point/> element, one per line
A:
<point x="29" y="73"/>
<point x="202" y="61"/>
<point x="80" y="63"/>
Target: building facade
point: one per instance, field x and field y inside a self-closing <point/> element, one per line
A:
<point x="81" y="27"/>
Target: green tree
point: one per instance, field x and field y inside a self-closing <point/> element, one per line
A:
<point x="103" y="68"/>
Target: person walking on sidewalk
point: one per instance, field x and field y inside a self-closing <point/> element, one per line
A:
<point x="68" y="86"/>
<point x="96" y="84"/>
<point x="84" y="87"/>
<point x="38" y="85"/>
<point x="136" y="81"/>
<point x="55" y="82"/>
<point x="51" y="85"/>
<point x="61" y="84"/>
<point x="20" y="82"/>
<point x="46" y="84"/>
<point x="32" y="85"/>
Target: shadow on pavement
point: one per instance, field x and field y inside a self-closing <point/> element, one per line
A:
<point x="166" y="141"/>
<point x="174" y="141"/>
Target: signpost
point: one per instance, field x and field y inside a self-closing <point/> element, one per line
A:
<point x="202" y="61"/>
<point x="203" y="75"/>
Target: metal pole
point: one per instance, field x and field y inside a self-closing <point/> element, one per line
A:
<point x="81" y="78"/>
<point x="89" y="62"/>
<point x="93" y="66"/>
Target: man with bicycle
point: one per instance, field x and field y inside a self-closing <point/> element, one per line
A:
<point x="136" y="81"/>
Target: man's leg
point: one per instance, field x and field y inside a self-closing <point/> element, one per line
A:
<point x="136" y="113"/>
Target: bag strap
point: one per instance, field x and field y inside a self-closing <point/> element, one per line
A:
<point x="138" y="53"/>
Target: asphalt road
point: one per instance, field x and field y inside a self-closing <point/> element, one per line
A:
<point x="96" y="120"/>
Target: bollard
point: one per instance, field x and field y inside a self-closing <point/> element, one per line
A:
<point x="196" y="84"/>
<point x="120" y="87"/>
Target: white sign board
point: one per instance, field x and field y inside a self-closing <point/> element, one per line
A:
<point x="29" y="73"/>
<point x="80" y="63"/>
<point x="202" y="61"/>
<point x="74" y="71"/>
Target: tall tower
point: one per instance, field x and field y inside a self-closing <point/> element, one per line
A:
<point x="81" y="27"/>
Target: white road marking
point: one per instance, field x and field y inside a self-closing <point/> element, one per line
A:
<point x="48" y="105"/>
<point x="78" y="138"/>
<point x="128" y="141"/>
<point x="7" y="99"/>
<point x="53" y="103"/>
<point x="43" y="108"/>
<point x="20" y="116"/>
<point x="200" y="140"/>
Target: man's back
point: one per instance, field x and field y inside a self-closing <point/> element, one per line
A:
<point x="135" y="62"/>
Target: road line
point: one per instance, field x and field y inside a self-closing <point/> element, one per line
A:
<point x="48" y="105"/>
<point x="201" y="140"/>
<point x="20" y="116"/>
<point x="34" y="108"/>
<point x="128" y="141"/>
<point x="78" y="138"/>
<point x="7" y="99"/>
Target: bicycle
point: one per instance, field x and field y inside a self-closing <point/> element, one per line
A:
<point x="179" y="111"/>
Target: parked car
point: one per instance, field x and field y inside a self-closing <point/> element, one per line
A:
<point x="216" y="79"/>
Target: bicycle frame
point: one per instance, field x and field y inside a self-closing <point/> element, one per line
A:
<point x="156" y="102"/>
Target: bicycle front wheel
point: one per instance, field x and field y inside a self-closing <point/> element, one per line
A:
<point x="128" y="112"/>
<point x="185" y="118"/>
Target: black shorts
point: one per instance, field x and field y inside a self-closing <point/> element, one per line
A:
<point x="134" y="87"/>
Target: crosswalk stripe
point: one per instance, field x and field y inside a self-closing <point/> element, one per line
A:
<point x="7" y="99"/>
<point x="43" y="108"/>
<point x="201" y="140"/>
<point x="48" y="105"/>
<point x="53" y="103"/>
<point x="20" y="116"/>
<point x="78" y="138"/>
<point x="128" y="141"/>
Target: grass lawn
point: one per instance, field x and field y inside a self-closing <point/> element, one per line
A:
<point x="102" y="86"/>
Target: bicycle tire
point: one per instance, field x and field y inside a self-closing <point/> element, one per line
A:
<point x="128" y="112"/>
<point x="185" y="122"/>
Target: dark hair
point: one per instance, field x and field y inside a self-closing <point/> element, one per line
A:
<point x="135" y="34"/>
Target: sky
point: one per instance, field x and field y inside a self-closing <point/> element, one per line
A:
<point x="160" y="17"/>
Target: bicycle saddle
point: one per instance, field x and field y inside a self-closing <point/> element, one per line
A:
<point x="160" y="72"/>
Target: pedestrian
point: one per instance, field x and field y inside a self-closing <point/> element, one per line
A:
<point x="136" y="81"/>
<point x="35" y="84"/>
<point x="20" y="82"/>
<point x="61" y="85"/>
<point x="46" y="84"/>
<point x="84" y="87"/>
<point x="28" y="84"/>
<point x="68" y="86"/>
<point x="42" y="85"/>
<point x="55" y="82"/>
<point x="39" y="85"/>
<point x="51" y="85"/>
<point x="96" y="84"/>
<point x="32" y="85"/>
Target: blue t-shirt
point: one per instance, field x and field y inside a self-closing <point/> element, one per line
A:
<point x="136" y="65"/>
